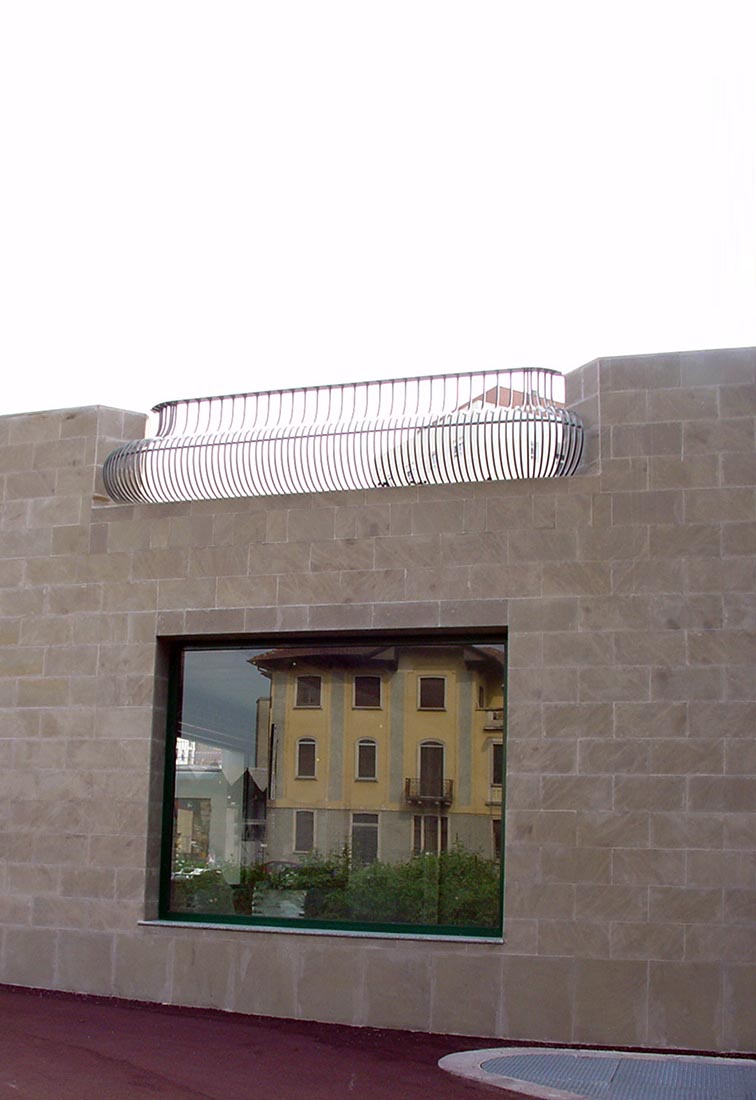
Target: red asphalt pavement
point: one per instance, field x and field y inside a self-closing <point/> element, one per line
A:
<point x="64" y="1047"/>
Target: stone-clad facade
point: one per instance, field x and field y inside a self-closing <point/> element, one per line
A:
<point x="628" y="596"/>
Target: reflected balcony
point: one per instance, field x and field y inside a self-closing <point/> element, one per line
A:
<point x="429" y="792"/>
<point x="494" y="720"/>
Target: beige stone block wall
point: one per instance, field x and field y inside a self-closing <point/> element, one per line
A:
<point x="628" y="594"/>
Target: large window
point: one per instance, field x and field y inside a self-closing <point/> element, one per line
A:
<point x="415" y="848"/>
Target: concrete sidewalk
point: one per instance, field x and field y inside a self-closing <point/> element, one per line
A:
<point x="62" y="1047"/>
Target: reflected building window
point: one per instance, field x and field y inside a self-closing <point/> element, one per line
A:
<point x="496" y="827"/>
<point x="367" y="759"/>
<point x="367" y="692"/>
<point x="306" y="757"/>
<point x="304" y="830"/>
<point x="308" y="691"/>
<point x="430" y="834"/>
<point x="431" y="693"/>
<point x="497" y="763"/>
<point x="364" y="838"/>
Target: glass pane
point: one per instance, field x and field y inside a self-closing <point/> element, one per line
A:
<point x="270" y="821"/>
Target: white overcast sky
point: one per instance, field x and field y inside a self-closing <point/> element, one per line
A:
<point x="202" y="198"/>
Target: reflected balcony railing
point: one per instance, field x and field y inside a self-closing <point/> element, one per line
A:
<point x="495" y="795"/>
<point x="494" y="720"/>
<point x="438" y="792"/>
<point x="429" y="430"/>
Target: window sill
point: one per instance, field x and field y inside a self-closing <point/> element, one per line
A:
<point x="348" y="933"/>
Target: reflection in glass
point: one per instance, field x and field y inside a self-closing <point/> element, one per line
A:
<point x="272" y="817"/>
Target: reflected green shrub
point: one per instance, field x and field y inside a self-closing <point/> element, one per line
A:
<point x="454" y="888"/>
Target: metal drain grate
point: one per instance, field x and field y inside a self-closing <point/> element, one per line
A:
<point x="626" y="1078"/>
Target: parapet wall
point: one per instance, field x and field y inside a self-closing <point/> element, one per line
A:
<point x="627" y="593"/>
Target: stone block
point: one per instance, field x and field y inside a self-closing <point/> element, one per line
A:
<point x="141" y="966"/>
<point x="85" y="962"/>
<point x="679" y="1016"/>
<point x="719" y="505"/>
<point x="397" y="987"/>
<point x="718" y="436"/>
<point x="686" y="683"/>
<point x="729" y="793"/>
<point x="648" y="792"/>
<point x="575" y="579"/>
<point x="410" y="614"/>
<point x="551" y="613"/>
<point x="245" y="591"/>
<point x="537" y="999"/>
<point x="730" y="575"/>
<point x="573" y="939"/>
<point x="541" y="756"/>
<point x="648" y="867"/>
<point x="504" y="581"/>
<point x="675" y="830"/>
<point x="677" y="612"/>
<point x="570" y="792"/>
<point x="604" y="902"/>
<point x="613" y="756"/>
<point x="646" y="940"/>
<point x="651" y="507"/>
<point x="489" y="548"/>
<point x="577" y="720"/>
<point x="620" y="475"/>
<point x="738" y="469"/>
<point x="653" y="647"/>
<point x="634" y="440"/>
<point x="693" y="471"/>
<point x="29" y="957"/>
<point x="202" y="972"/>
<point x="735" y="869"/>
<point x="466" y="991"/>
<point x="329" y="981"/>
<point x="543" y="546"/>
<point x="626" y="829"/>
<point x="739" y="1014"/>
<point x="614" y="684"/>
<point x="685" y="541"/>
<point x="611" y="1005"/>
<point x="344" y="554"/>
<point x="682" y="403"/>
<point x="562" y="863"/>
<point x="683" y="756"/>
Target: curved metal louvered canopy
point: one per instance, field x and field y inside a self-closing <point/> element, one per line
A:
<point x="431" y="430"/>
